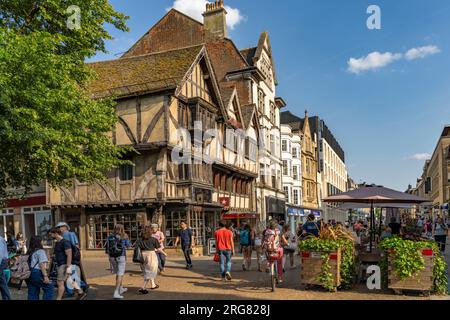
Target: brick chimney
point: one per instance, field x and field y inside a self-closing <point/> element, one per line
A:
<point x="214" y="21"/>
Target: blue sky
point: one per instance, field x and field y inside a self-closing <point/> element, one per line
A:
<point x="382" y="117"/>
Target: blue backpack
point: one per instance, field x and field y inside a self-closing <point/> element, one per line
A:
<point x="244" y="237"/>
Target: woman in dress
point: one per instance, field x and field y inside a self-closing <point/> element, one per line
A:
<point x="149" y="245"/>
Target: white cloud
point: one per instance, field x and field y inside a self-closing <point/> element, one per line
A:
<point x="421" y="52"/>
<point x="372" y="61"/>
<point x="195" y="8"/>
<point x="377" y="60"/>
<point x="420" y="156"/>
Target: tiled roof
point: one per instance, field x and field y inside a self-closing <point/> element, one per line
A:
<point x="226" y="93"/>
<point x="247" y="114"/>
<point x="248" y="54"/>
<point x="140" y="74"/>
<point x="295" y="122"/>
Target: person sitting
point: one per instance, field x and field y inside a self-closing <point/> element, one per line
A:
<point x="386" y="233"/>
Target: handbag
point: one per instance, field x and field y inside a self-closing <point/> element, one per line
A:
<point x="216" y="258"/>
<point x="137" y="254"/>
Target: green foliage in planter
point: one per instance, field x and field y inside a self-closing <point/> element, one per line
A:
<point x="347" y="267"/>
<point x="408" y="260"/>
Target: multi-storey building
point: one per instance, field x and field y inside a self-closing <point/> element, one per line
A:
<point x="434" y="183"/>
<point x="309" y="161"/>
<point x="271" y="197"/>
<point x="292" y="174"/>
<point x="333" y="175"/>
<point x="179" y="74"/>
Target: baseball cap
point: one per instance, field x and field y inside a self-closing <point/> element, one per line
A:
<point x="62" y="224"/>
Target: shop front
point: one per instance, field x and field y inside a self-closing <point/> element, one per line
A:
<point x="275" y="208"/>
<point x="203" y="220"/>
<point x="101" y="224"/>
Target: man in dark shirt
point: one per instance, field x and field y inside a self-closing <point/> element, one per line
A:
<point x="63" y="259"/>
<point x="186" y="239"/>
<point x="395" y="226"/>
<point x="311" y="227"/>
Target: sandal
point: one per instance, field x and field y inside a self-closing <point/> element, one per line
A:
<point x="155" y="287"/>
<point x="143" y="291"/>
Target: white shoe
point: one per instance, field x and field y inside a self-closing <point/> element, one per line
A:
<point x="123" y="290"/>
<point x="117" y="295"/>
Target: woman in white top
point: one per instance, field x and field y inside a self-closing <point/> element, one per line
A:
<point x="38" y="261"/>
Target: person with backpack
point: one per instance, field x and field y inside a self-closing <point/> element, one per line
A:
<point x="289" y="244"/>
<point x="116" y="245"/>
<point x="311" y="228"/>
<point x="65" y="255"/>
<point x="245" y="240"/>
<point x="272" y="245"/>
<point x="4" y="290"/>
<point x="38" y="262"/>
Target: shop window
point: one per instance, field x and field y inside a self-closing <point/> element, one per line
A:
<point x="37" y="221"/>
<point x="173" y="225"/>
<point x="102" y="225"/>
<point x="198" y="227"/>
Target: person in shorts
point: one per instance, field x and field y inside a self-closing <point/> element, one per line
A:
<point x="63" y="260"/>
<point x="116" y="248"/>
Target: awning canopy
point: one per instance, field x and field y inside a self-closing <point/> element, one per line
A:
<point x="375" y="194"/>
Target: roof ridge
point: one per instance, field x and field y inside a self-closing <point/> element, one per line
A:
<point x="147" y="54"/>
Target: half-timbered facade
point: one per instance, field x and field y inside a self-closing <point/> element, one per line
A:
<point x="181" y="171"/>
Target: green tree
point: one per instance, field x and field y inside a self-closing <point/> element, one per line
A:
<point x="50" y="128"/>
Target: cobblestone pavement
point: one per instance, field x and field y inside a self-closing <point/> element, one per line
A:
<point x="203" y="283"/>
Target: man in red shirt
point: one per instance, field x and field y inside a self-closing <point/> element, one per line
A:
<point x="225" y="249"/>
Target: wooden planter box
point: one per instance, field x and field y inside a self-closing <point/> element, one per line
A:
<point x="423" y="281"/>
<point x="311" y="267"/>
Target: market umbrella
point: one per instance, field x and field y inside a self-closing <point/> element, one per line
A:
<point x="375" y="195"/>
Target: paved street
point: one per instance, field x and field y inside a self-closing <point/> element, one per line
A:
<point x="203" y="283"/>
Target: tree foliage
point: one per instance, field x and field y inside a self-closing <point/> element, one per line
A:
<point x="50" y="128"/>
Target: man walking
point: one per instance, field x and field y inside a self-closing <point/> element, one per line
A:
<point x="185" y="236"/>
<point x="67" y="234"/>
<point x="63" y="259"/>
<point x="225" y="249"/>
<point x="3" y="266"/>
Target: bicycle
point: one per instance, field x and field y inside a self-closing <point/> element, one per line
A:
<point x="272" y="259"/>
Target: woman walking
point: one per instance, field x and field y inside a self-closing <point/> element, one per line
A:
<point x="258" y="234"/>
<point x="289" y="244"/>
<point x="158" y="235"/>
<point x="38" y="261"/>
<point x="148" y="245"/>
<point x="440" y="233"/>
<point x="245" y="240"/>
<point x="116" y="248"/>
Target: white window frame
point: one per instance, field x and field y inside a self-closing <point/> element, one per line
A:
<point x="7" y="212"/>
<point x="33" y="210"/>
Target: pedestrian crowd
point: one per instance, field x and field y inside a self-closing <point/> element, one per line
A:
<point x="61" y="272"/>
